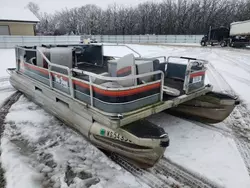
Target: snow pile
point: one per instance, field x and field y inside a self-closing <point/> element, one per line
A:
<point x="51" y="155"/>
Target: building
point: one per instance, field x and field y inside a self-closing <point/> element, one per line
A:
<point x="17" y="21"/>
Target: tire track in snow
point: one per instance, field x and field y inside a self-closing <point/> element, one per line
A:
<point x="185" y="176"/>
<point x="243" y="80"/>
<point x="151" y="179"/>
<point x="239" y="121"/>
<point x="242" y="64"/>
<point x="244" y="149"/>
<point x="3" y="112"/>
<point x="167" y="174"/>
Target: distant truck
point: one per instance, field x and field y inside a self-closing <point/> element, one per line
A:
<point x="237" y="36"/>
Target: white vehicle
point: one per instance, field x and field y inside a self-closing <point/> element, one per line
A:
<point x="240" y="28"/>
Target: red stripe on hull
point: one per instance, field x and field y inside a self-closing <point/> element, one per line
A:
<point x="197" y="74"/>
<point x="119" y="93"/>
<point x="36" y="68"/>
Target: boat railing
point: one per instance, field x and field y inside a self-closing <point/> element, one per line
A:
<point x="189" y="59"/>
<point x="189" y="86"/>
<point x="93" y="76"/>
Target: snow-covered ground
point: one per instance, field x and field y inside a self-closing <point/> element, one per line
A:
<point x="202" y="150"/>
<point x="38" y="150"/>
<point x="7" y="60"/>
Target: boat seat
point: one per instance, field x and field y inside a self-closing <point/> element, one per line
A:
<point x="145" y="66"/>
<point x="176" y="71"/>
<point x="123" y="67"/>
<point x="174" y="78"/>
<point x="60" y="56"/>
<point x="90" y="54"/>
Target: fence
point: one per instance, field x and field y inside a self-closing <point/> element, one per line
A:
<point x="149" y="38"/>
<point x="12" y="41"/>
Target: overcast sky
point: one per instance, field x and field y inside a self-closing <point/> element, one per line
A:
<point x="51" y="6"/>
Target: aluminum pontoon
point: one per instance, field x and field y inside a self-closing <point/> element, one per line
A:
<point x="213" y="107"/>
<point x="107" y="99"/>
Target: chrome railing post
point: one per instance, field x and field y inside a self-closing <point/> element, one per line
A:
<point x="91" y="90"/>
<point x="71" y="88"/>
<point x="17" y="59"/>
<point x="50" y="76"/>
<point x="162" y="85"/>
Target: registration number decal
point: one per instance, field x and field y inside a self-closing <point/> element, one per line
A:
<point x="117" y="136"/>
<point x="197" y="79"/>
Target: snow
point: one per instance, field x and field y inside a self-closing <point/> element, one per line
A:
<point x="7" y="60"/>
<point x="19" y="174"/>
<point x="17" y="14"/>
<point x="182" y="44"/>
<point x="207" y="152"/>
<point x="4" y="96"/>
<point x="37" y="144"/>
<point x="47" y="151"/>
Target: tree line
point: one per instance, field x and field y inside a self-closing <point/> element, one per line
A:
<point x="166" y="17"/>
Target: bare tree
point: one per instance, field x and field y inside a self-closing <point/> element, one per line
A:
<point x="167" y="17"/>
<point x="34" y="8"/>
